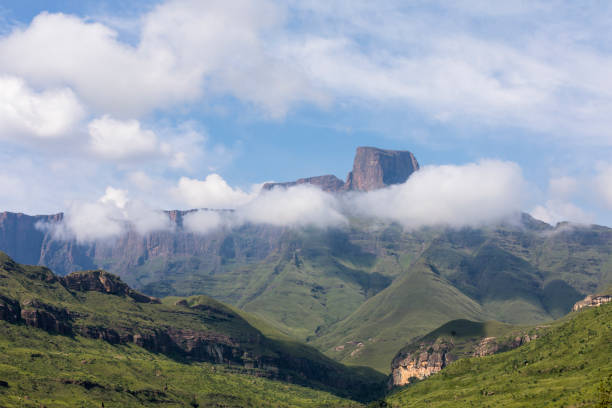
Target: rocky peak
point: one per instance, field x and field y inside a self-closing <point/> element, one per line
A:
<point x="375" y="168"/>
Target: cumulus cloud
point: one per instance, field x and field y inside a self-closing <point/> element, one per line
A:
<point x="296" y="206"/>
<point x="109" y="217"/>
<point x="119" y="139"/>
<point x="181" y="44"/>
<point x="473" y="194"/>
<point x="257" y="52"/>
<point x="212" y="192"/>
<point x="46" y="115"/>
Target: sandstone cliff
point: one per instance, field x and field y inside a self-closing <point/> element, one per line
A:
<point x="454" y="340"/>
<point x="592" y="301"/>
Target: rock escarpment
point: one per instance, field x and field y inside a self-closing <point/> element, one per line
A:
<point x="426" y="360"/>
<point x="452" y="341"/>
<point x="373" y="168"/>
<point x="592" y="301"/>
<point x="102" y="281"/>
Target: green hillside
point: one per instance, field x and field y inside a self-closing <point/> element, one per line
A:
<point x="96" y="309"/>
<point x="41" y="369"/>
<point x="503" y="273"/>
<point x="415" y="303"/>
<point x="569" y="365"/>
<point x="361" y="292"/>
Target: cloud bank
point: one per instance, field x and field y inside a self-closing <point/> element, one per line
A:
<point x="109" y="217"/>
<point x="474" y="194"/>
<point x="469" y="195"/>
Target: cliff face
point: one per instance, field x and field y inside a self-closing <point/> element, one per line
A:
<point x="454" y="340"/>
<point x="428" y="359"/>
<point x="592" y="301"/>
<point x="373" y="168"/>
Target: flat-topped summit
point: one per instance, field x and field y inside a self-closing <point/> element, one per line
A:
<point x="376" y="168"/>
<point x="373" y="168"/>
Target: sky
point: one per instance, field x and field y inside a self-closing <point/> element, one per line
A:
<point x="119" y="108"/>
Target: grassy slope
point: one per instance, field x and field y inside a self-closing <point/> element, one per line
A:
<point x="466" y="334"/>
<point x="326" y="286"/>
<point x="476" y="274"/>
<point x="123" y="314"/>
<point x="562" y="368"/>
<point x="60" y="371"/>
<point x="412" y="306"/>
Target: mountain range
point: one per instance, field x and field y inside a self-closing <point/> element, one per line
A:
<point x="359" y="292"/>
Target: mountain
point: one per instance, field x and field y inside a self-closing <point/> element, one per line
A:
<point x="569" y="364"/>
<point x="96" y="305"/>
<point x="359" y="292"/>
<point x="373" y="168"/>
<point x="325" y="285"/>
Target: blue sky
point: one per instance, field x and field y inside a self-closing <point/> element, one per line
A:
<point x="139" y="95"/>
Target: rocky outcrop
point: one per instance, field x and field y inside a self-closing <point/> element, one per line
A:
<point x="328" y="182"/>
<point x="46" y="317"/>
<point x="592" y="301"/>
<point x="452" y="341"/>
<point x="426" y="360"/>
<point x="10" y="311"/>
<point x="104" y="282"/>
<point x="375" y="168"/>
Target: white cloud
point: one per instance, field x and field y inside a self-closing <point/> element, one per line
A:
<point x="213" y="192"/>
<point x="115" y="196"/>
<point x="183" y="46"/>
<point x="473" y="194"/>
<point x="203" y="221"/>
<point x="555" y="211"/>
<point x="275" y="56"/>
<point x="48" y="114"/>
<point x="117" y="139"/>
<point x="296" y="206"/>
<point x="109" y="217"/>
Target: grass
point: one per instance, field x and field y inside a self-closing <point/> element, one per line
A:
<point x="566" y="367"/>
<point x="280" y="356"/>
<point x="41" y="369"/>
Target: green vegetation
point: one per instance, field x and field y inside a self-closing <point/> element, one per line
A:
<point x="40" y="369"/>
<point x="63" y="318"/>
<point x="568" y="365"/>
<point x="361" y="292"/>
